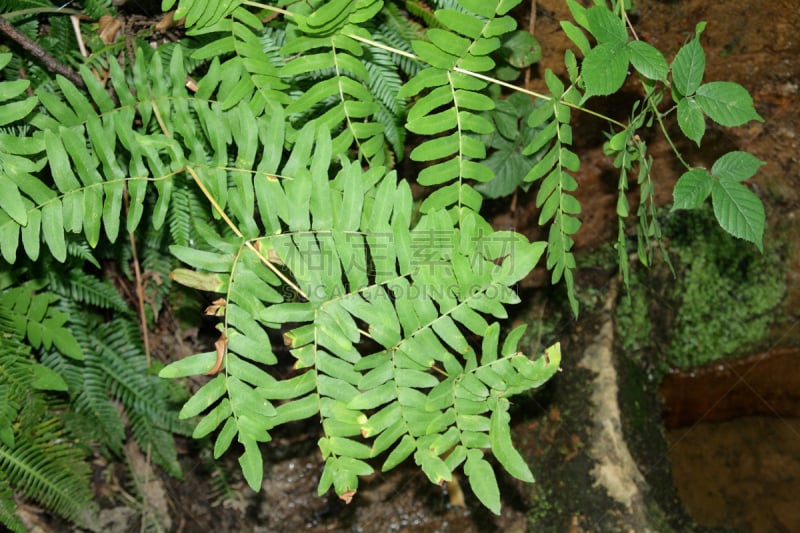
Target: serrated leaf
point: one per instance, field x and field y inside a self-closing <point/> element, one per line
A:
<point x="688" y="67"/>
<point x="727" y="103"/>
<point x="605" y="68"/>
<point x="739" y="211"/>
<point x="576" y="36"/>
<point x="691" y="119"/>
<point x="691" y="189"/>
<point x="647" y="60"/>
<point x="605" y="26"/>
<point x="736" y="166"/>
<point x="578" y="12"/>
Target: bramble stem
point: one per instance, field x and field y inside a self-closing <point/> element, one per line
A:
<point x="667" y="136"/>
<point x="51" y="63"/>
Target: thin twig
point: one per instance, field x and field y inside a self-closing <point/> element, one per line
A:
<point x="137" y="272"/>
<point x="50" y="62"/>
<point x="76" y="27"/>
<point x="148" y="507"/>
<point x="531" y="28"/>
<point x="630" y="24"/>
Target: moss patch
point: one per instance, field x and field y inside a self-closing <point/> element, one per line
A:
<point x="721" y="300"/>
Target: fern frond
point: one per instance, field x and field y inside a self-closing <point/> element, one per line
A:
<point x="16" y="377"/>
<point x="463" y="44"/>
<point x="81" y="250"/>
<point x="184" y="209"/>
<point x="85" y="288"/>
<point x="359" y="270"/>
<point x="423" y="12"/>
<point x="117" y="361"/>
<point x="385" y="84"/>
<point x="347" y="88"/>
<point x="201" y="14"/>
<point x="398" y="31"/>
<point x="48" y="468"/>
<point x="97" y="8"/>
<point x="553" y="198"/>
<point x="249" y="69"/>
<point x="8" y="506"/>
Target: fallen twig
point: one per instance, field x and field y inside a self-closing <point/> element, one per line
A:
<point x="50" y="62"/>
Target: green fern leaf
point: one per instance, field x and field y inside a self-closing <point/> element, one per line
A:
<point x="47" y="468"/>
<point x="84" y="288"/>
<point x="359" y="270"/>
<point x="343" y="101"/>
<point x="553" y="169"/>
<point x="462" y="44"/>
<point x="8" y="507"/>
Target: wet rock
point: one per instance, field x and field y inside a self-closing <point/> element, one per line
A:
<point x="763" y="383"/>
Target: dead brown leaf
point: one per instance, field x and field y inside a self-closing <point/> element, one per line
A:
<point x="108" y="27"/>
<point x="221" y="345"/>
<point x="347" y="496"/>
<point x="217" y="307"/>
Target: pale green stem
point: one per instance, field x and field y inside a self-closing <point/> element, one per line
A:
<point x="667" y="136"/>
<point x="489" y="79"/>
<point x="41" y="10"/>
<point x="269" y="8"/>
<point x="235" y="229"/>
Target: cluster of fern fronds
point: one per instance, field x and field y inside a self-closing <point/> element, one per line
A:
<point x="260" y="151"/>
<point x="74" y="376"/>
<point x="73" y="382"/>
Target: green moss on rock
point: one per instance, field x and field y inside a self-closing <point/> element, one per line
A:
<point x="721" y="301"/>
